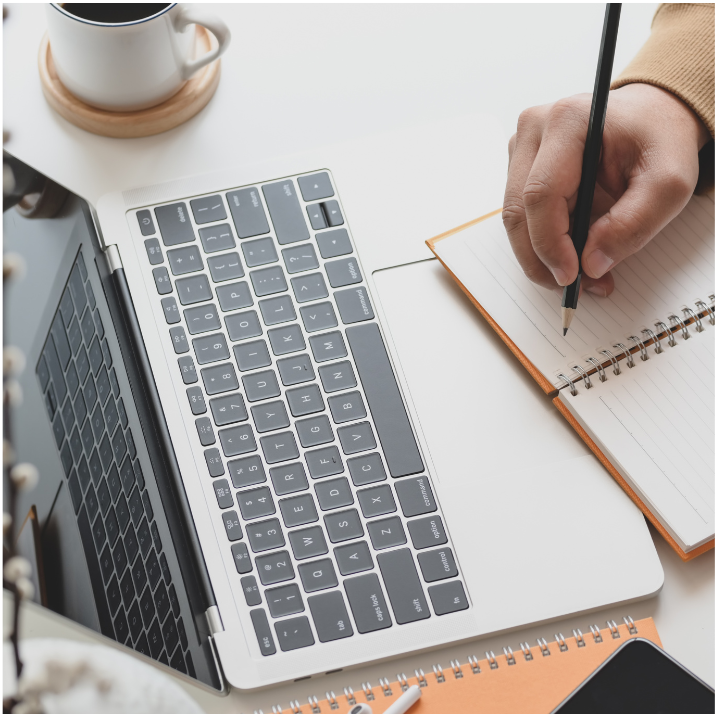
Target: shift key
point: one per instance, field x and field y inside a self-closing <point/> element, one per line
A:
<point x="286" y="212"/>
<point x="404" y="589"/>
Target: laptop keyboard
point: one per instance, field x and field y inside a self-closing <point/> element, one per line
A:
<point x="329" y="516"/>
<point x="136" y="601"/>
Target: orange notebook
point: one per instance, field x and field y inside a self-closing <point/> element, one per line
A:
<point x="531" y="681"/>
<point x="634" y="375"/>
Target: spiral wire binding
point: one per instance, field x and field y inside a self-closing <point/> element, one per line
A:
<point x="691" y="318"/>
<point x="457" y="670"/>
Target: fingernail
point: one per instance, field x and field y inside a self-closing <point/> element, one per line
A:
<point x="597" y="290"/>
<point x="560" y="276"/>
<point x="599" y="263"/>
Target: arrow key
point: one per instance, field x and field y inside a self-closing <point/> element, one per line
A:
<point x="315" y="186"/>
<point x="333" y="213"/>
<point x="331" y="244"/>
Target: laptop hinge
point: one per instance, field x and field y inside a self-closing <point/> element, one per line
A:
<point x="114" y="262"/>
<point x="213" y="619"/>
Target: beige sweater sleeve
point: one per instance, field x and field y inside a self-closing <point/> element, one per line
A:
<point x="679" y="57"/>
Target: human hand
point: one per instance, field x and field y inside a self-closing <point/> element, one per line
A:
<point x="647" y="173"/>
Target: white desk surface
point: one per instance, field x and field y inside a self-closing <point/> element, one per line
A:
<point x="300" y="76"/>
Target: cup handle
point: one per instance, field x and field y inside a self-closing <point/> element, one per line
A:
<point x="190" y="14"/>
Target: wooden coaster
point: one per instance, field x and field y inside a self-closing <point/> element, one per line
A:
<point x="187" y="102"/>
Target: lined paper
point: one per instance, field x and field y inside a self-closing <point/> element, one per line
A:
<point x="676" y="268"/>
<point x="656" y="424"/>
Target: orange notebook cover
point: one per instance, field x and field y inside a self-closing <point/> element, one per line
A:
<point x="533" y="680"/>
<point x="550" y="390"/>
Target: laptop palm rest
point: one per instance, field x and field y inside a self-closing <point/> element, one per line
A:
<point x="526" y="502"/>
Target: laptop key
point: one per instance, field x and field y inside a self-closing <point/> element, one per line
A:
<point x="156" y="643"/>
<point x="415" y="496"/>
<point x="277" y="310"/>
<point x="279" y="447"/>
<point x="263" y="632"/>
<point x="114" y="595"/>
<point x="309" y="287"/>
<point x="204" y="318"/>
<point x="146" y="224"/>
<point x="308" y="542"/>
<point x="387" y="533"/>
<point x="243" y="326"/>
<point x="251" y="591"/>
<point x="367" y="602"/>
<point x="237" y="440"/>
<point x="294" y="634"/>
<point x="353" y="305"/>
<point x="285" y="212"/>
<point x="343" y="272"/>
<point x="162" y="280"/>
<point x="328" y="346"/>
<point x="96" y="357"/>
<point x="205" y="430"/>
<point x="285" y="340"/>
<point x="74" y="334"/>
<point x="343" y="525"/>
<point x="259" y="252"/>
<point x="318" y="317"/>
<point x="174" y="224"/>
<point x="357" y="437"/>
<point x="121" y="629"/>
<point x="284" y="600"/>
<point x="223" y="493"/>
<point x="252" y="355"/>
<point x="193" y="289"/>
<point x="242" y="561"/>
<point x="305" y="400"/>
<point x="333" y="213"/>
<point x="216" y="238"/>
<point x="179" y="340"/>
<point x="288" y="478"/>
<point x="437" y="564"/>
<point x="330" y="616"/>
<point x="171" y="310"/>
<point x="332" y="244"/>
<point x="295" y="370"/>
<point x="314" y="431"/>
<point x="185" y="260"/>
<point x="219" y="379"/>
<point x="248" y="212"/>
<point x="275" y="568"/>
<point x="298" y="510"/>
<point x="335" y="493"/>
<point x="265" y="535"/>
<point x="324" y="462"/>
<point x="261" y="385"/>
<point x="87" y="325"/>
<point x="448" y="597"/>
<point x="225" y="267"/>
<point x="318" y="575"/>
<point x="211" y="348"/>
<point x="214" y="462"/>
<point x="315" y="186"/>
<point x="234" y="296"/>
<point x="247" y="471"/>
<point x="232" y="525"/>
<point x="268" y="281"/>
<point x="154" y="251"/>
<point x="335" y="377"/>
<point x="353" y="558"/>
<point x="208" y="209"/>
<point x="270" y="416"/>
<point x="188" y="370"/>
<point x="347" y="407"/>
<point x="195" y="395"/>
<point x="403" y="585"/>
<point x="376" y="501"/>
<point x="255" y="503"/>
<point x="161" y="600"/>
<point x="300" y="258"/>
<point x="317" y="217"/>
<point x="228" y="410"/>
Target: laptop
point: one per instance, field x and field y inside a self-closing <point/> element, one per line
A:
<point x="271" y="442"/>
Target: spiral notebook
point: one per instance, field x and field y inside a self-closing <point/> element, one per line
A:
<point x="532" y="680"/>
<point x="634" y="375"/>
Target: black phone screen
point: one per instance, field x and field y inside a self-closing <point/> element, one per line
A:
<point x="639" y="678"/>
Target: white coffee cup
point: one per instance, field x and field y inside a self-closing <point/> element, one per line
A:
<point x="132" y="65"/>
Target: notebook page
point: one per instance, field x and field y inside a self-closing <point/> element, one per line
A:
<point x="674" y="269"/>
<point x="655" y="423"/>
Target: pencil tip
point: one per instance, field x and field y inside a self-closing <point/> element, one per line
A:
<point x="564" y="331"/>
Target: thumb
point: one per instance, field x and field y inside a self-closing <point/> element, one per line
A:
<point x="648" y="204"/>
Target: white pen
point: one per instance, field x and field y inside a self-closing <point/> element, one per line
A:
<point x="399" y="706"/>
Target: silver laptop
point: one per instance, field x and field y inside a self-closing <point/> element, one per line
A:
<point x="338" y="463"/>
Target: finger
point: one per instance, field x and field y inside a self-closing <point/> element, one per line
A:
<point x="601" y="287"/>
<point x="523" y="148"/>
<point x="651" y="200"/>
<point x="552" y="185"/>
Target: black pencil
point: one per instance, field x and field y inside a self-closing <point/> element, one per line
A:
<point x="592" y="150"/>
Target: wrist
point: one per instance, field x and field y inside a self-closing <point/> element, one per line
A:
<point x="656" y="99"/>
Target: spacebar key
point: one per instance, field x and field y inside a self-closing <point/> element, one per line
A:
<point x="384" y="399"/>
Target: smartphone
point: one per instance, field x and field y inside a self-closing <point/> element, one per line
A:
<point x="640" y="678"/>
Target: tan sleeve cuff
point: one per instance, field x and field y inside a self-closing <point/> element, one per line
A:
<point x="679" y="57"/>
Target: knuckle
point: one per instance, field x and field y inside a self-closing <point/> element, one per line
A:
<point x="528" y="118"/>
<point x="536" y="191"/>
<point x="632" y="228"/>
<point x="513" y="215"/>
<point x="677" y="184"/>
